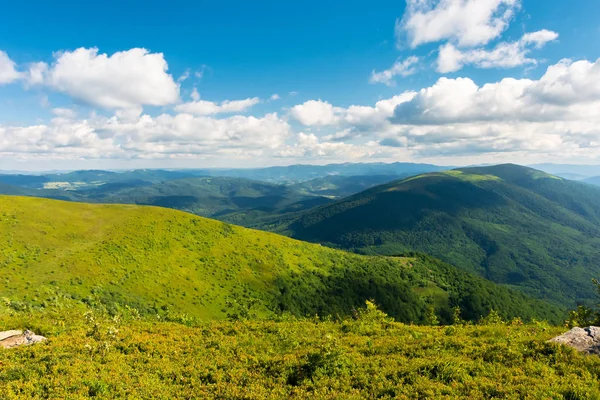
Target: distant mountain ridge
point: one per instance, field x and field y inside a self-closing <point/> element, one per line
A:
<point x="595" y="180"/>
<point x="287" y="174"/>
<point x="237" y="200"/>
<point x="511" y="224"/>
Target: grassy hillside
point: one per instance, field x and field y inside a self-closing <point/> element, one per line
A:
<point x="510" y="224"/>
<point x="157" y="259"/>
<point x="121" y="356"/>
<point x="236" y="200"/>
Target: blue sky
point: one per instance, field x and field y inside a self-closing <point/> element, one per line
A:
<point x="318" y="57"/>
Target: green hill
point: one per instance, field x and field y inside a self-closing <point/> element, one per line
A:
<point x="157" y="259"/>
<point x="510" y="224"/>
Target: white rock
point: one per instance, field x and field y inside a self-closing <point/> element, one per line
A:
<point x="586" y="340"/>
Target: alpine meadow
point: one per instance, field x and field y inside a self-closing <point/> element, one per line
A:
<point x="267" y="200"/>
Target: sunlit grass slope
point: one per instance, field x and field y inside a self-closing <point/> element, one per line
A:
<point x="363" y="358"/>
<point x="155" y="259"/>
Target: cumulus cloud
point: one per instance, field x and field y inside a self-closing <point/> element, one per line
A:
<point x="126" y="79"/>
<point x="308" y="145"/>
<point x="204" y="107"/>
<point x="539" y="38"/>
<point x="464" y="22"/>
<point x="315" y="112"/>
<point x="358" y="118"/>
<point x="164" y="136"/>
<point x="401" y="67"/>
<point x="8" y="72"/>
<point x="67" y="113"/>
<point x="554" y="116"/>
<point x="568" y="90"/>
<point x="511" y="119"/>
<point x="503" y="55"/>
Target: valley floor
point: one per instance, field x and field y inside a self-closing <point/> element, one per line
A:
<point x="367" y="357"/>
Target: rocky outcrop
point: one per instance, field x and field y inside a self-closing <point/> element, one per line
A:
<point x="586" y="340"/>
<point x="9" y="339"/>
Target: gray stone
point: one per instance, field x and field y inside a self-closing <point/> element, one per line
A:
<point x="585" y="340"/>
<point x="9" y="339"/>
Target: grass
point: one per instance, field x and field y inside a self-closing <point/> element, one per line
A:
<point x="154" y="259"/>
<point x="93" y="354"/>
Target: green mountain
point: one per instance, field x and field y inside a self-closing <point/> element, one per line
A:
<point x="236" y="200"/>
<point x="281" y="175"/>
<point x="338" y="186"/>
<point x="510" y="224"/>
<point x="301" y="173"/>
<point x="156" y="259"/>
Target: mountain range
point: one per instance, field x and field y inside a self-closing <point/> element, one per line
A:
<point x="513" y="225"/>
<point x="510" y="224"/>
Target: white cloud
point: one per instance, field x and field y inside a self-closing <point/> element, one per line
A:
<point x="164" y="136"/>
<point x="315" y="112"/>
<point x="204" y="107"/>
<point x="184" y="77"/>
<point x="539" y="38"/>
<point x="554" y="117"/>
<point x="67" y="113"/>
<point x="452" y="121"/>
<point x="195" y="95"/>
<point x="464" y="22"/>
<point x="360" y="118"/>
<point x="8" y="72"/>
<point x="450" y="59"/>
<point x="274" y="97"/>
<point x="567" y="91"/>
<point x="309" y="146"/>
<point x="504" y="55"/>
<point x="127" y="79"/>
<point x="403" y="68"/>
<point x="36" y="73"/>
<point x="199" y="74"/>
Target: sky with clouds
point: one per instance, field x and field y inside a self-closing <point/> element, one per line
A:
<point x="187" y="84"/>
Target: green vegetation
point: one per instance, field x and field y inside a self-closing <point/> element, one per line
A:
<point x="510" y="224"/>
<point x="93" y="353"/>
<point x="235" y="200"/>
<point x="336" y="186"/>
<point x="150" y="302"/>
<point x="585" y="316"/>
<point x="157" y="259"/>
